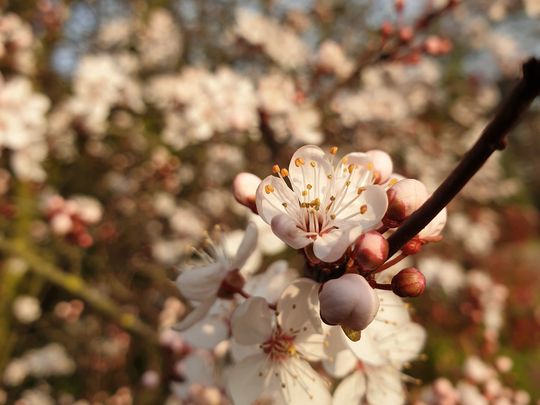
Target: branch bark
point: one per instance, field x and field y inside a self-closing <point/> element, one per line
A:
<point x="492" y="138"/>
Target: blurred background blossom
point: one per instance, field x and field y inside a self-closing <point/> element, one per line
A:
<point x="122" y="127"/>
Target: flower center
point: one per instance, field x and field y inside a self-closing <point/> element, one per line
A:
<point x="279" y="346"/>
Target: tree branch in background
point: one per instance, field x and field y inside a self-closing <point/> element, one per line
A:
<point x="77" y="286"/>
<point x="493" y="138"/>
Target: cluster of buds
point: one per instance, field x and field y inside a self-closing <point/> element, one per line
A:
<point x="71" y="218"/>
<point x="402" y="41"/>
<point x="340" y="216"/>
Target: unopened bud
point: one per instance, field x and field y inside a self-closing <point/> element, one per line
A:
<point x="399" y="4"/>
<point x="404" y="197"/>
<point x="370" y="250"/>
<point x="244" y="189"/>
<point x="348" y="301"/>
<point x="406" y="34"/>
<point x="412" y="247"/>
<point x="409" y="282"/>
<point x="387" y="29"/>
<point x="382" y="165"/>
<point x="435" y="45"/>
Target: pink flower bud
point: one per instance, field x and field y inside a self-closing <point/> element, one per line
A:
<point x="348" y="301"/>
<point x="404" y="197"/>
<point x="244" y="189"/>
<point x="406" y="34"/>
<point x="370" y="250"/>
<point x="409" y="282"/>
<point x="412" y="247"/>
<point x="382" y="163"/>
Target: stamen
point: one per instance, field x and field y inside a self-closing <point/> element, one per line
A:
<point x="363" y="209"/>
<point x="299" y="162"/>
<point x="268" y="189"/>
<point x="333" y="150"/>
<point x="275" y="169"/>
<point x="284" y="172"/>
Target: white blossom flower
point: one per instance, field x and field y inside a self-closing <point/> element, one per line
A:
<point x="329" y="206"/>
<point x="200" y="285"/>
<point x="372" y="365"/>
<point x="281" y="347"/>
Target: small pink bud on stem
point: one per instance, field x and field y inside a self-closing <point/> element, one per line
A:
<point x="406" y="34"/>
<point x="370" y="251"/>
<point x="409" y="282"/>
<point x="412" y="247"/>
<point x="244" y="189"/>
<point x="404" y="197"/>
<point x="348" y="301"/>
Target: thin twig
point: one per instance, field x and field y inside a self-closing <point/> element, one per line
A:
<point x="493" y="138"/>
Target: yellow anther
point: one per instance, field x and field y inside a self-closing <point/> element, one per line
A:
<point x="363" y="209"/>
<point x="360" y="190"/>
<point x="370" y="166"/>
<point x="347" y="183"/>
<point x="332" y="198"/>
<point x="332" y="216"/>
<point x="329" y="177"/>
<point x="284" y="172"/>
<point x="304" y="193"/>
<point x="344" y="160"/>
<point x="291" y="350"/>
<point x="284" y="205"/>
<point x="313" y="163"/>
<point x="268" y="188"/>
<point x="275" y="169"/>
<point x="333" y="150"/>
<point x="299" y="162"/>
<point x="392" y="182"/>
<point x="351" y="168"/>
<point x="309" y="186"/>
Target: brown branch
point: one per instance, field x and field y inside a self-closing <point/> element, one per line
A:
<point x="493" y="138"/>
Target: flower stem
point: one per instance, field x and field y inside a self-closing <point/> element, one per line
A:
<point x="379" y="286"/>
<point x="493" y="138"/>
<point x="390" y="263"/>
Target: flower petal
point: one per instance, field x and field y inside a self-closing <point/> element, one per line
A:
<point x="271" y="283"/>
<point x="247" y="246"/>
<point x="435" y="227"/>
<point x="300" y="384"/>
<point x="207" y="333"/>
<point x="309" y="165"/>
<point x="270" y="196"/>
<point x="201" y="283"/>
<point x="351" y="390"/>
<point x="384" y="386"/>
<point x="298" y="308"/>
<point x="367" y="210"/>
<point x="198" y="313"/>
<point x="340" y="360"/>
<point x="249" y="379"/>
<point x="287" y="230"/>
<point x="252" y="321"/>
<point x="330" y="246"/>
